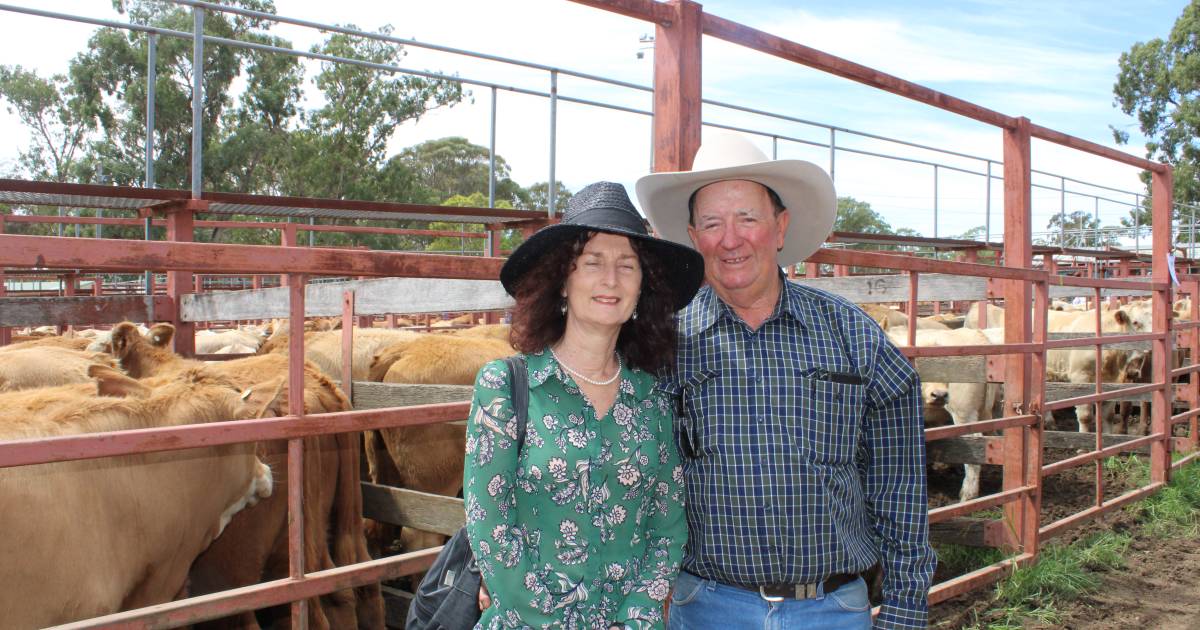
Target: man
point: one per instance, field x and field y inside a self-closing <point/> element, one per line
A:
<point x="800" y="425"/>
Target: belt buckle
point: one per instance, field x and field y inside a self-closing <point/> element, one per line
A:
<point x="801" y="591"/>
<point x="770" y="598"/>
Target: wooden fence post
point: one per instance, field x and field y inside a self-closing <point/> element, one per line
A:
<point x="677" y="52"/>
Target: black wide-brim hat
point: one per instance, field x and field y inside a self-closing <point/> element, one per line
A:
<point x="605" y="207"/>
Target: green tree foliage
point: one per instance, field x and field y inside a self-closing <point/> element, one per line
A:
<point x="538" y="197"/>
<point x="1159" y="84"/>
<point x="857" y="216"/>
<point x="51" y="110"/>
<point x="89" y="127"/>
<point x="343" y="152"/>
<point x="453" y="166"/>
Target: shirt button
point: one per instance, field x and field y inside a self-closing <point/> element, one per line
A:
<point x="762" y="418"/>
<point x="767" y="506"/>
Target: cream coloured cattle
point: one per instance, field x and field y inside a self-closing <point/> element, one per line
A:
<point x="92" y="537"/>
<point x="995" y="316"/>
<point x="1079" y="365"/>
<point x="965" y="402"/>
<point x="45" y="366"/>
<point x="71" y="341"/>
<point x="256" y="547"/>
<point x="210" y="342"/>
<point x="324" y="349"/>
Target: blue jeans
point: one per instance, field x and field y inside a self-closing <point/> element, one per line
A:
<point x="698" y="604"/>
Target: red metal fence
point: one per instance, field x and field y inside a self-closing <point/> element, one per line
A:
<point x="680" y="27"/>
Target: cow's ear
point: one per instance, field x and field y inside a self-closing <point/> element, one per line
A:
<point x="1121" y="316"/>
<point x="112" y="383"/>
<point x="161" y="335"/>
<point x="122" y="336"/>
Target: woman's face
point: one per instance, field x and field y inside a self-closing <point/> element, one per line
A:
<point x="602" y="288"/>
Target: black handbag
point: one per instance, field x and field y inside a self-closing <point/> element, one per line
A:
<point x="448" y="596"/>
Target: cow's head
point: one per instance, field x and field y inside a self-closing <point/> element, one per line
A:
<point x="125" y="337"/>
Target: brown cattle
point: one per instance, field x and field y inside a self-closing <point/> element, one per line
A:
<point x="428" y="458"/>
<point x="256" y="547"/>
<point x="495" y="331"/>
<point x="93" y="537"/>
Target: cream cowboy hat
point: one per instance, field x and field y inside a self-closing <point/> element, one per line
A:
<point x="805" y="189"/>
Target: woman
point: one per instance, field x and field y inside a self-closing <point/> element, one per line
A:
<point x="584" y="527"/>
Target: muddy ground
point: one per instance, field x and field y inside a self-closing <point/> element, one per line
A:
<point x="1158" y="590"/>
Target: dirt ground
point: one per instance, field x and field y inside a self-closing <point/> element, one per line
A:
<point x="1158" y="590"/>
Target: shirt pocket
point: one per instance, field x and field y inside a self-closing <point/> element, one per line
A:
<point x="829" y="419"/>
<point x="700" y="402"/>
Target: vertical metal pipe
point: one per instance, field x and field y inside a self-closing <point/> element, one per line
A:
<point x="295" y="460"/>
<point x="987" y="206"/>
<point x="553" y="189"/>
<point x="492" y="153"/>
<point x="935" y="202"/>
<point x="832" y="151"/>
<point x="151" y="92"/>
<point x="1137" y="223"/>
<point x="774" y="147"/>
<point x="1062" y="211"/>
<point x="59" y="226"/>
<point x="100" y="226"/>
<point x="348" y="345"/>
<point x="312" y="234"/>
<point x="1098" y="241"/>
<point x="197" y="100"/>
<point x="1192" y="234"/>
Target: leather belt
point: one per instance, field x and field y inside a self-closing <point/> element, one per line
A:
<point x="780" y="592"/>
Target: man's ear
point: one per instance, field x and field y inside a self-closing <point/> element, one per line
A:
<point x="692" y="235"/>
<point x="783" y="219"/>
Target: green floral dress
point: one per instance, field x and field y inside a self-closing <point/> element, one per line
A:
<point x="584" y="528"/>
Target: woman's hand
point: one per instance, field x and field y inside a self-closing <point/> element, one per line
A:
<point x="485" y="600"/>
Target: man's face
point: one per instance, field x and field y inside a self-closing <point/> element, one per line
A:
<point x="737" y="231"/>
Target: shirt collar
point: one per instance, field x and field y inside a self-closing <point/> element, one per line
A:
<point x="706" y="308"/>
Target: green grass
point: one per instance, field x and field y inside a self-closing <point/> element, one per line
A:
<point x="961" y="559"/>
<point x="1174" y="510"/>
<point x="1131" y="468"/>
<point x="1028" y="597"/>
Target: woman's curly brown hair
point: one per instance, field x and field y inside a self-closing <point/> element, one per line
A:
<point x="647" y="342"/>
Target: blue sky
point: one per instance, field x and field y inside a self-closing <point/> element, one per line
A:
<point x="1054" y="62"/>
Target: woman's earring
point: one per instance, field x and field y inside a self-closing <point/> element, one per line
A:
<point x="634" y="312"/>
<point x="562" y="308"/>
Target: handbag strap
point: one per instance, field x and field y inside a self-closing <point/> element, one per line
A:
<point x="519" y="383"/>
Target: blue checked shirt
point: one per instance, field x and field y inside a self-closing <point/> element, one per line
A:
<point x="803" y="449"/>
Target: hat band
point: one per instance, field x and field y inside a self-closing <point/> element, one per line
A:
<point x="609" y="218"/>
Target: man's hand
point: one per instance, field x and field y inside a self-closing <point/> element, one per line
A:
<point x="485" y="600"/>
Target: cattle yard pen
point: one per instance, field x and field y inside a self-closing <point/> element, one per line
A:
<point x="396" y="282"/>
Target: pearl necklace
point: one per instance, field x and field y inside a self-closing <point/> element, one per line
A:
<point x="578" y="375"/>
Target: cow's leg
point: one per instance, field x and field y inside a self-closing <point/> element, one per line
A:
<point x="1083" y="414"/>
<point x="965" y="404"/>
